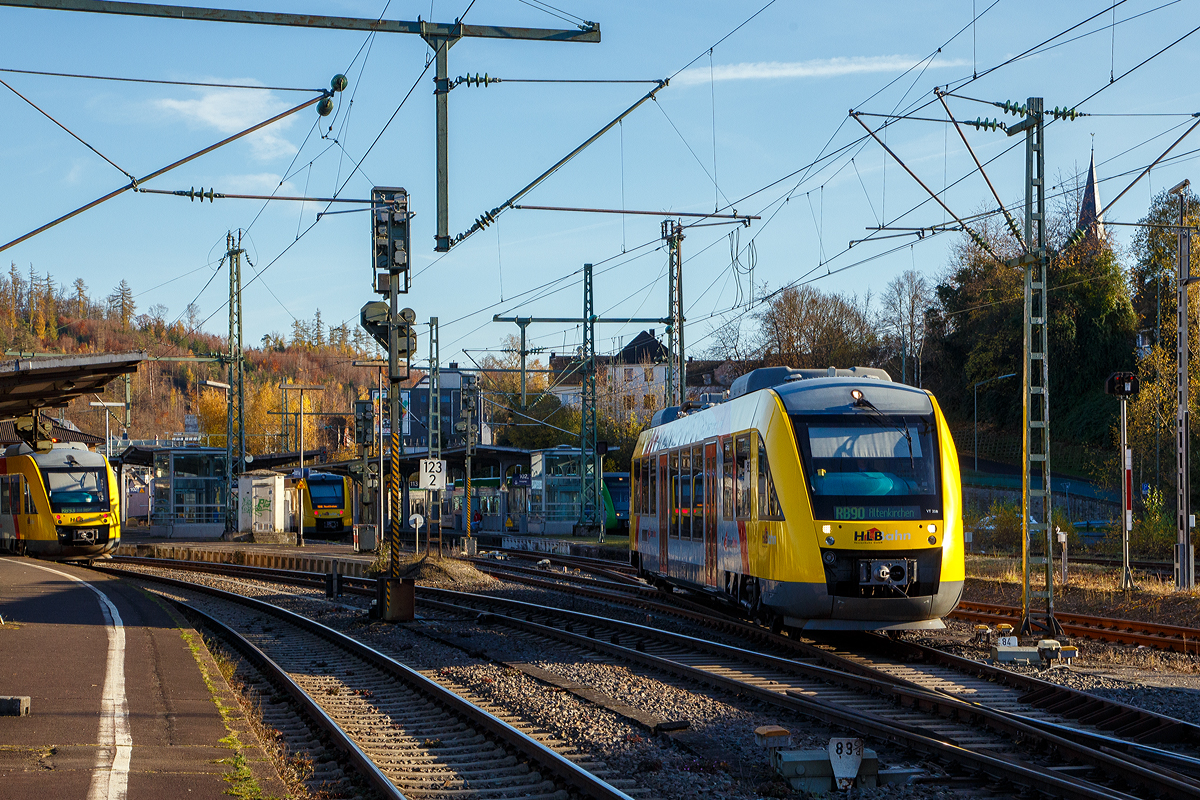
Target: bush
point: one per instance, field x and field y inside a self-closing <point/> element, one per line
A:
<point x="1005" y="534"/>
<point x="1153" y="535"/>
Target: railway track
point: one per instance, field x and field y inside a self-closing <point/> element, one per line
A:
<point x="1157" y="567"/>
<point x="945" y="708"/>
<point x="407" y="734"/>
<point x="1121" y="631"/>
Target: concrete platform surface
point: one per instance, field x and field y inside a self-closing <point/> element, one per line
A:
<point x="113" y="706"/>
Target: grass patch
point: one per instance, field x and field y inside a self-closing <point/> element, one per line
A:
<point x="241" y="780"/>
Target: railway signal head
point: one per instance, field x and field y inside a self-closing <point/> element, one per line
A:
<point x="390" y="237"/>
<point x="1122" y="384"/>
<point x="364" y="421"/>
<point x="374" y="317"/>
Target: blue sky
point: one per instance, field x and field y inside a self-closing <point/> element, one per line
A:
<point x="770" y="99"/>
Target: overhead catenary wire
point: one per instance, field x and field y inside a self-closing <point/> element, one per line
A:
<point x="163" y="170"/>
<point x="159" y="81"/>
<point x="72" y="133"/>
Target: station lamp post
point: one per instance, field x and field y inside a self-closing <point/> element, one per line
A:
<point x="107" y="414"/>
<point x="302" y="389"/>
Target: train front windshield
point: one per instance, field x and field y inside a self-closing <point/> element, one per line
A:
<point x="326" y="494"/>
<point x="76" y="491"/>
<point x="871" y="466"/>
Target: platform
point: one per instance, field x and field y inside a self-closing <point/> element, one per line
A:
<point x="111" y="705"/>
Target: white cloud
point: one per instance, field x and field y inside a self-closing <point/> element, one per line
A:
<point x="232" y="110"/>
<point x="816" y="68"/>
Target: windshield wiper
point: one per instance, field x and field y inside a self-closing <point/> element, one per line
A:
<point x="884" y="420"/>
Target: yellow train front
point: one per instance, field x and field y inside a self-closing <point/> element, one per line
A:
<point x="815" y="499"/>
<point x="62" y="503"/>
<point x="326" y="503"/>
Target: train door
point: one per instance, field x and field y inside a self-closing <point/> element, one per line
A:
<point x="711" y="492"/>
<point x="664" y="512"/>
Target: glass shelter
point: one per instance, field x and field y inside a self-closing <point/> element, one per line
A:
<point x="189" y="492"/>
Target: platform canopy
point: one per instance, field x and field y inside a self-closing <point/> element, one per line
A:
<point x="30" y="384"/>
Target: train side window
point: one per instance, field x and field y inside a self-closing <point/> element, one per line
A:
<point x="727" y="478"/>
<point x="635" y="490"/>
<point x="768" y="500"/>
<point x="4" y="495"/>
<point x="745" y="480"/>
<point x="24" y="484"/>
<point x="684" y="488"/>
<point x="698" y="499"/>
<point x="673" y="492"/>
<point x="652" y="485"/>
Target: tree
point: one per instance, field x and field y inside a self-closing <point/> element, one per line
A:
<point x="316" y="331"/>
<point x="192" y="316"/>
<point x="905" y="302"/>
<point x="804" y="327"/>
<point x="1154" y="269"/>
<point x="81" y="304"/>
<point x="299" y="334"/>
<point x="976" y="330"/>
<point x="121" y="304"/>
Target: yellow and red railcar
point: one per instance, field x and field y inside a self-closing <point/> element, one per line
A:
<point x="62" y="503"/>
<point x="816" y="499"/>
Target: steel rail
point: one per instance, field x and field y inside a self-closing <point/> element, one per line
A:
<point x="562" y="767"/>
<point x="865" y="723"/>
<point x="1123" y="631"/>
<point x="280" y="676"/>
<point x="1137" y="723"/>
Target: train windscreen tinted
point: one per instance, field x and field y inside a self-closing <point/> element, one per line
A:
<point x="76" y="491"/>
<point x="326" y="494"/>
<point x="869" y="469"/>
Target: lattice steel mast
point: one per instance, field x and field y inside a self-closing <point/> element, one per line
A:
<point x="1037" y="528"/>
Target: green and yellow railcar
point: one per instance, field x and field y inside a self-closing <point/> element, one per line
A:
<point x="60" y="504"/>
<point x="816" y="499"/>
<point x="327" y="499"/>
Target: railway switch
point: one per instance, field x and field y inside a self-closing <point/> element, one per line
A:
<point x="1049" y="650"/>
<point x="983" y="636"/>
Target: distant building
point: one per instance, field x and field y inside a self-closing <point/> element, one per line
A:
<point x="415" y="421"/>
<point x="635" y="379"/>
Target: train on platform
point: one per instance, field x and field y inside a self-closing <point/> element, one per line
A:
<point x="327" y="503"/>
<point x="816" y="500"/>
<point x="63" y="503"/>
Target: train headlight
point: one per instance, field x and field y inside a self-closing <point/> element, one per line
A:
<point x="829" y="540"/>
<point x="829" y="557"/>
<point x="933" y="540"/>
<point x="932" y="528"/>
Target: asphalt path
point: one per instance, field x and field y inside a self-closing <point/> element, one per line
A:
<point x="119" y="708"/>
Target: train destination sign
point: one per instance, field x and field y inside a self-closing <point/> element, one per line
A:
<point x="876" y="512"/>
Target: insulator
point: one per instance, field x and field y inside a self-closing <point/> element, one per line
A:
<point x="339" y="83"/>
<point x="325" y="107"/>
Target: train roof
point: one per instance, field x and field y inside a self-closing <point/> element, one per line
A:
<point x="832" y="396"/>
<point x="68" y="457"/>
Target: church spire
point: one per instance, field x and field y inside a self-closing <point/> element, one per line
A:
<point x="1089" y="209"/>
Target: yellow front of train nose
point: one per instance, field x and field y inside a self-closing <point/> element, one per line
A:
<point x="891" y="536"/>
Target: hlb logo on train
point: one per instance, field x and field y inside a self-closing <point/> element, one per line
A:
<point x="876" y="535"/>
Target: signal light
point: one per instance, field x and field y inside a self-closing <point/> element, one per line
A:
<point x="390" y="233"/>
